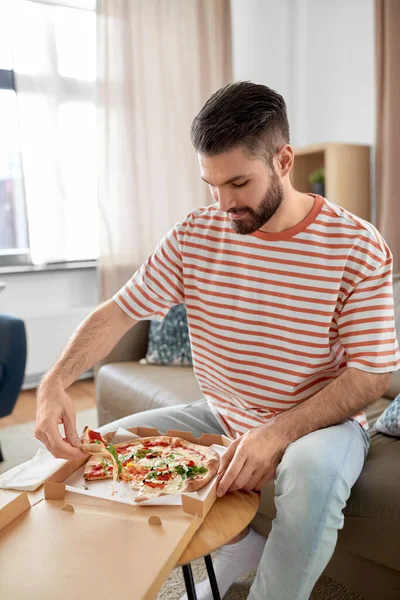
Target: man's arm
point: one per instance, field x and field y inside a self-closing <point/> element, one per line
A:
<point x="94" y="339"/>
<point x="344" y="397"/>
<point x="251" y="460"/>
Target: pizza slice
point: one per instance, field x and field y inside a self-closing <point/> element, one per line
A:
<point x="105" y="462"/>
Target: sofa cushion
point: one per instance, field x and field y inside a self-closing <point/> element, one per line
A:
<point x="128" y="387"/>
<point x="372" y="514"/>
<point x="389" y="421"/>
<point x="394" y="387"/>
<point x="168" y="341"/>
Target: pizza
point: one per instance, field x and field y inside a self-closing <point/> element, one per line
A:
<point x="155" y="466"/>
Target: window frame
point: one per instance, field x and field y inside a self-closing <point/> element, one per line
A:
<point x="13" y="256"/>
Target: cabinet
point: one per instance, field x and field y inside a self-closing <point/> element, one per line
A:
<point x="347" y="174"/>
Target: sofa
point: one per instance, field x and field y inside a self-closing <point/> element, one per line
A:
<point x="367" y="556"/>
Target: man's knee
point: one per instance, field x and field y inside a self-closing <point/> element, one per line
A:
<point x="307" y="492"/>
<point x="310" y="473"/>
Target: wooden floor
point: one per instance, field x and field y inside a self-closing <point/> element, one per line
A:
<point x="82" y="392"/>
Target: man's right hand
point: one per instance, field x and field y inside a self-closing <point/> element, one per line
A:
<point x="55" y="407"/>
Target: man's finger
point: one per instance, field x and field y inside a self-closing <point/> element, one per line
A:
<point x="263" y="482"/>
<point x="231" y="473"/>
<point x="58" y="447"/>
<point x="254" y="480"/>
<point x="241" y="481"/>
<point x="71" y="433"/>
<point x="227" y="457"/>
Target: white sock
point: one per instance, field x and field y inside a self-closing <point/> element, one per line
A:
<point x="232" y="561"/>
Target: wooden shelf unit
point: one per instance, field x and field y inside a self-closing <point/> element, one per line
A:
<point x="347" y="174"/>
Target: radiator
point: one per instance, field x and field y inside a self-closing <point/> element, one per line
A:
<point x="47" y="336"/>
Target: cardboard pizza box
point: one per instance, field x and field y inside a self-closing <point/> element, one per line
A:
<point x="192" y="503"/>
<point x="68" y="544"/>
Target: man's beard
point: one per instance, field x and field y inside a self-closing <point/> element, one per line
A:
<point x="255" y="219"/>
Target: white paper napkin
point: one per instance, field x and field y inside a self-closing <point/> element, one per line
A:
<point x="31" y="474"/>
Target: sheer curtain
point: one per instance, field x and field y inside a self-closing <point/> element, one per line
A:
<point x="158" y="62"/>
<point x="387" y="33"/>
<point x="54" y="62"/>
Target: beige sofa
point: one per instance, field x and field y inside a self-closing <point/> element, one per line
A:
<point x="367" y="556"/>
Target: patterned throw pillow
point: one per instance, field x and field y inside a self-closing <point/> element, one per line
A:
<point x="169" y="342"/>
<point x="389" y="421"/>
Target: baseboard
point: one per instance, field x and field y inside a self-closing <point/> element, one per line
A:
<point x="32" y="381"/>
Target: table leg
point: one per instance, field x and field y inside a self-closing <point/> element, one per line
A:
<point x="189" y="582"/>
<point x="212" y="578"/>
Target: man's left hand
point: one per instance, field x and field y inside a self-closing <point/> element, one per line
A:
<point x="251" y="460"/>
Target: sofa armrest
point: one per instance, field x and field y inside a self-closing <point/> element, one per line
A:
<point x="394" y="387"/>
<point x="131" y="347"/>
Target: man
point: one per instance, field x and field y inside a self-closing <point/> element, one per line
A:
<point x="289" y="302"/>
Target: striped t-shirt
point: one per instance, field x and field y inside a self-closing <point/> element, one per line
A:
<point x="273" y="317"/>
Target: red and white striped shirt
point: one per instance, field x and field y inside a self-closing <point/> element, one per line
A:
<point x="273" y="317"/>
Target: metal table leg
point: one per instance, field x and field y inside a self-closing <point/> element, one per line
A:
<point x="211" y="576"/>
<point x="189" y="582"/>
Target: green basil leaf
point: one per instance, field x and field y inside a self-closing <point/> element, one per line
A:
<point x="142" y="453"/>
<point x="113" y="451"/>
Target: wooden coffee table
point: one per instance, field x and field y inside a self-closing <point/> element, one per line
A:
<point x="228" y="517"/>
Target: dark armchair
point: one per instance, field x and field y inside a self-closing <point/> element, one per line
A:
<point x="12" y="362"/>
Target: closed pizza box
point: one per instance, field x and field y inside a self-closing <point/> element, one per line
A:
<point x="75" y="547"/>
<point x="69" y="544"/>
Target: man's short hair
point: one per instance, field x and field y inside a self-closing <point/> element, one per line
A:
<point x="242" y="115"/>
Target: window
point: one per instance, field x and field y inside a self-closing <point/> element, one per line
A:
<point x="48" y="199"/>
<point x="13" y="224"/>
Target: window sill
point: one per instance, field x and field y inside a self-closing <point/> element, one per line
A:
<point x="61" y="266"/>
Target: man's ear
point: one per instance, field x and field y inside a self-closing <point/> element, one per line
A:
<point x="284" y="160"/>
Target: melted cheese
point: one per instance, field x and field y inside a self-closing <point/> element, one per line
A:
<point x="173" y="486"/>
<point x="135" y="476"/>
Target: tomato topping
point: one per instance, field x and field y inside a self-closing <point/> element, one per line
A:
<point x="95" y="435"/>
<point x="96" y="473"/>
<point x="163" y="443"/>
<point x="165" y="476"/>
<point x="123" y="449"/>
<point x="190" y="463"/>
<point x="153" y="484"/>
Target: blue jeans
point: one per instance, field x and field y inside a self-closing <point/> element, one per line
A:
<point x="312" y="485"/>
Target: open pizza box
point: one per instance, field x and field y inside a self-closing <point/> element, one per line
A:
<point x="64" y="542"/>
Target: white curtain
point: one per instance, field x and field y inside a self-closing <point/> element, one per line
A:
<point x="54" y="61"/>
<point x="158" y="62"/>
<point x="387" y="37"/>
